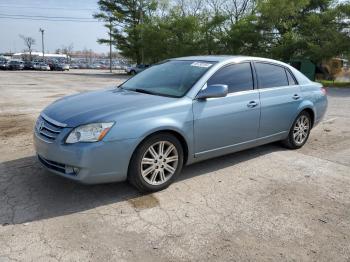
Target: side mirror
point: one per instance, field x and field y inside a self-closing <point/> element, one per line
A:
<point x="213" y="91"/>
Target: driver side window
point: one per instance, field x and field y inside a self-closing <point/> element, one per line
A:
<point x="238" y="77"/>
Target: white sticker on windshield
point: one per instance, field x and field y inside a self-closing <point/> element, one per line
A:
<point x="201" y="64"/>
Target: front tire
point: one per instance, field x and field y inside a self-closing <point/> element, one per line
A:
<point x="156" y="162"/>
<point x="299" y="132"/>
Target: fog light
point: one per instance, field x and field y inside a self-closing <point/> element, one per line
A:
<point x="71" y="170"/>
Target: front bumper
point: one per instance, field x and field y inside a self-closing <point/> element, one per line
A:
<point x="99" y="162"/>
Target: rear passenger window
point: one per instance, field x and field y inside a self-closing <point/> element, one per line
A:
<point x="237" y="77"/>
<point x="271" y="75"/>
<point x="291" y="79"/>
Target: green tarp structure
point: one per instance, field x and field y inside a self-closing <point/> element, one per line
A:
<point x="305" y="66"/>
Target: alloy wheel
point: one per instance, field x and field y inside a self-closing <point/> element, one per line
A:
<point x="159" y="162"/>
<point x="301" y="129"/>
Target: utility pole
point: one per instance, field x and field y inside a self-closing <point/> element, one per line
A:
<point x="42" y="42"/>
<point x="110" y="45"/>
<point x="142" y="44"/>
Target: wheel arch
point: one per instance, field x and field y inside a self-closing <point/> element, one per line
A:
<point x="311" y="113"/>
<point x="173" y="132"/>
<point x="308" y="107"/>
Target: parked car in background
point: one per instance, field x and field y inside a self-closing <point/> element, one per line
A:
<point x="28" y="65"/>
<point x="74" y="66"/>
<point x="15" y="65"/>
<point x="65" y="67"/>
<point x="3" y="65"/>
<point x="36" y="65"/>
<point x="133" y="70"/>
<point x="94" y="66"/>
<point x="44" y="67"/>
<point x="55" y="67"/>
<point x="177" y="112"/>
<point x="59" y="67"/>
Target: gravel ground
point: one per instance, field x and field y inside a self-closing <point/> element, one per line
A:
<point x="266" y="204"/>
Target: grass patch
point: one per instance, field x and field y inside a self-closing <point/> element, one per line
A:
<point x="330" y="83"/>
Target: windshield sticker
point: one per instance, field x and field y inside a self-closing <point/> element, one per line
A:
<point x="201" y="64"/>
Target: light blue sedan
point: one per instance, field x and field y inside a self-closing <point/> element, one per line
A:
<point x="176" y="113"/>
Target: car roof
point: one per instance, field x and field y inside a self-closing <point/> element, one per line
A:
<point x="209" y="58"/>
<point x="223" y="58"/>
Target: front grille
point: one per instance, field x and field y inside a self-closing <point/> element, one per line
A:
<point x="46" y="129"/>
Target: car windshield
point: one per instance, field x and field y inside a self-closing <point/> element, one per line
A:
<point x="171" y="78"/>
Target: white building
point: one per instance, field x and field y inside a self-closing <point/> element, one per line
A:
<point x="39" y="55"/>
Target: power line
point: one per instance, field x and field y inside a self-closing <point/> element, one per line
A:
<point x="48" y="17"/>
<point x="48" y="8"/>
<point x="51" y="20"/>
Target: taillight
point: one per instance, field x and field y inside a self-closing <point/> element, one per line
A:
<point x="324" y="91"/>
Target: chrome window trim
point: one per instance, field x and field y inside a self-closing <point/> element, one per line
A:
<point x="243" y="92"/>
<point x="235" y="94"/>
<point x="277" y="88"/>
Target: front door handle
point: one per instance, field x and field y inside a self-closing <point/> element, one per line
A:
<point x="252" y="104"/>
<point x="296" y="97"/>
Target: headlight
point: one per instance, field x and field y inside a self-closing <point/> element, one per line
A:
<point x="89" y="133"/>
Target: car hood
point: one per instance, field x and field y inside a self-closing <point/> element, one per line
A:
<point x="103" y="105"/>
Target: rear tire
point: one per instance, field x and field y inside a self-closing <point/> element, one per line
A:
<point x="299" y="132"/>
<point x="156" y="162"/>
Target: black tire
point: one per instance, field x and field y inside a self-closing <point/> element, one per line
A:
<point x="290" y="142"/>
<point x="135" y="174"/>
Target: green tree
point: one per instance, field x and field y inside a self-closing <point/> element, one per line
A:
<point x="245" y="38"/>
<point x="172" y="36"/>
<point x="127" y="18"/>
<point x="212" y="33"/>
<point x="314" y="29"/>
<point x="153" y="30"/>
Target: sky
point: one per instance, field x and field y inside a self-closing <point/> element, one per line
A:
<point x="57" y="33"/>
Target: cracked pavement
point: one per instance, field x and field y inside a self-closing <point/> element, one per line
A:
<point x="266" y="203"/>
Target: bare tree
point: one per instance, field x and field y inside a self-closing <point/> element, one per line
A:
<point x="214" y="6"/>
<point x="163" y="7"/>
<point x="237" y="9"/>
<point x="29" y="42"/>
<point x="190" y="7"/>
<point x="68" y="50"/>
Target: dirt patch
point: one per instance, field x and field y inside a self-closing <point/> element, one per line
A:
<point x="12" y="125"/>
<point x="144" y="202"/>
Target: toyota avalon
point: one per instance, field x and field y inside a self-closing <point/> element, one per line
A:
<point x="176" y="113"/>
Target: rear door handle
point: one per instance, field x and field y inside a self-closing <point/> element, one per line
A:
<point x="252" y="104"/>
<point x="296" y="97"/>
